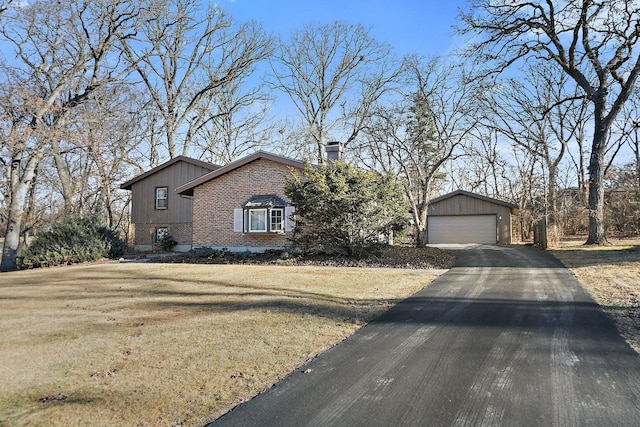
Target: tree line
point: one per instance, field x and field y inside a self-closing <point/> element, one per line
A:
<point x="535" y="108"/>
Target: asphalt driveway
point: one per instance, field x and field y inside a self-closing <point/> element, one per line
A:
<point x="507" y="337"/>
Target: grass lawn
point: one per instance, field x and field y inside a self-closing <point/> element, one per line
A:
<point x="171" y="344"/>
<point x="612" y="275"/>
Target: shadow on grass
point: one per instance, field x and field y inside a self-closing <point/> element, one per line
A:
<point x="151" y="297"/>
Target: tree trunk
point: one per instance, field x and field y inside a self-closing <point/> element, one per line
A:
<point x="11" y="241"/>
<point x="420" y="219"/>
<point x="20" y="186"/>
<point x="553" y="195"/>
<point x="636" y="150"/>
<point x="65" y="178"/>
<point x="583" y="191"/>
<point x="597" y="235"/>
<point x="171" y="143"/>
<point x="421" y="237"/>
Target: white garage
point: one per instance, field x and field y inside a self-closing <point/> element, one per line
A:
<point x="464" y="217"/>
<point x="462" y="229"/>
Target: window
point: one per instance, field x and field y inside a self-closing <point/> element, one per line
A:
<point x="162" y="194"/>
<point x="257" y="220"/>
<point x="263" y="214"/>
<point x="160" y="234"/>
<point x="277" y="220"/>
<point x="264" y="220"/>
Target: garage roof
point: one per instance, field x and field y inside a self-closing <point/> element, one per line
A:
<point x="514" y="208"/>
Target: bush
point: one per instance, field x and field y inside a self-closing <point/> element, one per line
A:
<point x="167" y="242"/>
<point x="72" y="241"/>
<point x="341" y="209"/>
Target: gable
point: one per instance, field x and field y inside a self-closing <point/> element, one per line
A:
<point x="168" y="175"/>
<point x="277" y="163"/>
<point x="217" y="201"/>
<point x="462" y="202"/>
<point x="184" y="169"/>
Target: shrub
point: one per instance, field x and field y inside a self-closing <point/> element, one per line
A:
<point x="341" y="209"/>
<point x="167" y="242"/>
<point x="72" y="241"/>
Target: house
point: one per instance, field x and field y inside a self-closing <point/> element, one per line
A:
<point x="156" y="209"/>
<point x="242" y="206"/>
<point x="465" y="217"/>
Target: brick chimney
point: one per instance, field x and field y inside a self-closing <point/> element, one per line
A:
<point x="334" y="151"/>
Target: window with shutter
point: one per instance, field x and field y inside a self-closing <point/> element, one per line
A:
<point x="238" y="220"/>
<point x="290" y="221"/>
<point x="263" y="214"/>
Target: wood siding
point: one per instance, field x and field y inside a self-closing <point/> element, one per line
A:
<point x="177" y="217"/>
<point x="468" y="205"/>
<point x="179" y="209"/>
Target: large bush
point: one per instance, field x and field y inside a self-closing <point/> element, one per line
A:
<point x="72" y="241"/>
<point x="342" y="209"/>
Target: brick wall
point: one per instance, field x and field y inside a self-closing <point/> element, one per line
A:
<point x="214" y="202"/>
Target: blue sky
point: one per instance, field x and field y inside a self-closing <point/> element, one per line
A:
<point x="410" y="26"/>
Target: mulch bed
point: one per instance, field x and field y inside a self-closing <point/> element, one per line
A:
<point x="389" y="257"/>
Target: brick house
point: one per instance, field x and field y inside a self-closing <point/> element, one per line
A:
<point x="157" y="210"/>
<point x="242" y="206"/>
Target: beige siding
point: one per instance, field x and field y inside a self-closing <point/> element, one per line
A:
<point x="467" y="205"/>
<point x="215" y="200"/>
<point x="179" y="209"/>
<point x="178" y="215"/>
<point x="462" y="229"/>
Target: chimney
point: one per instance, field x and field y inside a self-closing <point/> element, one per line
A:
<point x="334" y="151"/>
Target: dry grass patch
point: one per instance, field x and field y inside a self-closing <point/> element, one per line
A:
<point x="612" y="275"/>
<point x="162" y="344"/>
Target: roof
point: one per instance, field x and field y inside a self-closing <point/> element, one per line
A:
<point x="127" y="185"/>
<point x="265" y="200"/>
<point x="476" y="196"/>
<point x="187" y="189"/>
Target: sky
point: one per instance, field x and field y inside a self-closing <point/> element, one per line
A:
<point x="409" y="26"/>
<point x="424" y="27"/>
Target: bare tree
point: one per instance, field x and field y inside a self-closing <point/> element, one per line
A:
<point x="542" y="114"/>
<point x="629" y="128"/>
<point x="63" y="54"/>
<point x="483" y="168"/>
<point x="235" y="124"/>
<point x="417" y="136"/>
<point x="110" y="131"/>
<point x="333" y="74"/>
<point x="4" y="5"/>
<point x="184" y="56"/>
<point x="23" y="147"/>
<point x="595" y="43"/>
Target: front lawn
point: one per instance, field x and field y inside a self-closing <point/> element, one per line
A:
<point x="167" y="344"/>
<point x="611" y="274"/>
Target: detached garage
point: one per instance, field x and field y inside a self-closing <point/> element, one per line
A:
<point x="464" y="217"/>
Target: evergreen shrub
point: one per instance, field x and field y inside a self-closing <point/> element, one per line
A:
<point x="72" y="241"/>
<point x="341" y="209"/>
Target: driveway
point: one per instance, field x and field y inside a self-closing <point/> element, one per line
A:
<point x="506" y="337"/>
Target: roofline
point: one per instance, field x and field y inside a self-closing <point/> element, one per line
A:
<point x="477" y="196"/>
<point x="187" y="189"/>
<point x="127" y="185"/>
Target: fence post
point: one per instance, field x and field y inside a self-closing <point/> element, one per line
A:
<point x="540" y="234"/>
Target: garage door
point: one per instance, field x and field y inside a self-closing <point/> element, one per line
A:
<point x="462" y="229"/>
